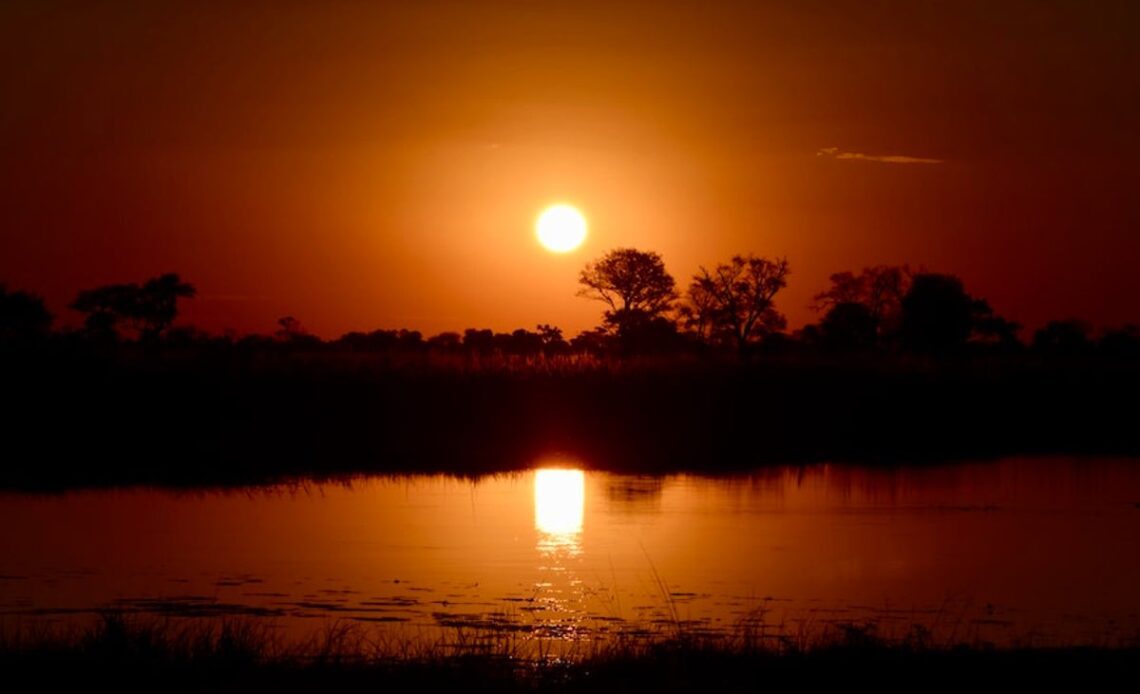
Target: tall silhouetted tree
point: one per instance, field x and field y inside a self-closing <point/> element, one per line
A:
<point x="879" y="289"/>
<point x="148" y="309"/>
<point x="849" y="326"/>
<point x="635" y="286"/>
<point x="158" y="303"/>
<point x="735" y="300"/>
<point x="23" y="316"/>
<point x="698" y="312"/>
<point x="937" y="314"/>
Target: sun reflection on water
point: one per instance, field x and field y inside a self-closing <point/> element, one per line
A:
<point x="559" y="503"/>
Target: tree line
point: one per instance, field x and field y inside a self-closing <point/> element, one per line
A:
<point x="729" y="308"/>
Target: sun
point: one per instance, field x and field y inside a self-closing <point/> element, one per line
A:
<point x="560" y="228"/>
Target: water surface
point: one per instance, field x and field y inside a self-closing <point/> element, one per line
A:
<point x="1020" y="550"/>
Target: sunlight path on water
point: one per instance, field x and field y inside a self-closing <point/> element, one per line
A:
<point x="559" y="505"/>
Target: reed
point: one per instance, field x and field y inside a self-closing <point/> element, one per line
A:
<point x="128" y="652"/>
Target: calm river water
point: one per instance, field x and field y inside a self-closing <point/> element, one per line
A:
<point x="1013" y="551"/>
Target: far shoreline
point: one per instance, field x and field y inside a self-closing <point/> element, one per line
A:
<point x="192" y="418"/>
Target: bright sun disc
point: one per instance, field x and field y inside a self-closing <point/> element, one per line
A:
<point x="561" y="228"/>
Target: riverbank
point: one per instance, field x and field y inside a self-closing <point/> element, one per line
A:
<point x="126" y="655"/>
<point x="188" y="418"/>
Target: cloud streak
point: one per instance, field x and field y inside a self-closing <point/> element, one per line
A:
<point x="836" y="153"/>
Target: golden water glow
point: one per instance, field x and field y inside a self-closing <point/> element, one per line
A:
<point x="560" y="228"/>
<point x="787" y="542"/>
<point x="559" y="504"/>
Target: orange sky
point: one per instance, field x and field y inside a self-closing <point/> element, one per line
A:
<point x="362" y="166"/>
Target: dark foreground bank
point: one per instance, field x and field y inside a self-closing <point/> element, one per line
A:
<point x="121" y="657"/>
<point x="175" y="418"/>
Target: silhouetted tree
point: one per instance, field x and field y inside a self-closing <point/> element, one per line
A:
<point x="634" y="284"/>
<point x="993" y="330"/>
<point x="524" y="343"/>
<point x="409" y="340"/>
<point x="353" y="341"/>
<point x="1121" y="342"/>
<point x="849" y="326"/>
<point x="642" y="333"/>
<point x="190" y="336"/>
<point x="106" y="307"/>
<point x="735" y="300"/>
<point x="698" y="312"/>
<point x="879" y="289"/>
<point x="149" y="309"/>
<point x="594" y="342"/>
<point x="937" y="314"/>
<point x="552" y="340"/>
<point x="291" y="332"/>
<point x="382" y="341"/>
<point x="445" y="342"/>
<point x="23" y="316"/>
<point x="158" y="303"/>
<point x="289" y="328"/>
<point x="809" y="336"/>
<point x="1064" y="337"/>
<point x="478" y="341"/>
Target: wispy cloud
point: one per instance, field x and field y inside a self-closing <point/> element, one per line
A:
<point x="836" y="153"/>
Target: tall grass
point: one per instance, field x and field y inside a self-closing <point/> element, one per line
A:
<point x="124" y="652"/>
